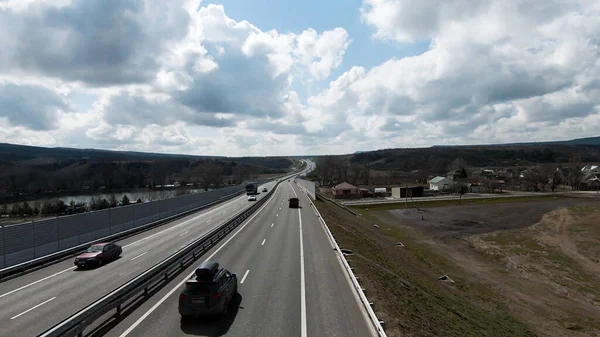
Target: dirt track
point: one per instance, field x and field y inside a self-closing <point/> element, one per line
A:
<point x="460" y="221"/>
<point x="527" y="268"/>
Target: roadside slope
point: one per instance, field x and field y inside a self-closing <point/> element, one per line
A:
<point x="403" y="283"/>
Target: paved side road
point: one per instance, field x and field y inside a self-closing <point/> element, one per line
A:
<point x="291" y="283"/>
<point x="36" y="301"/>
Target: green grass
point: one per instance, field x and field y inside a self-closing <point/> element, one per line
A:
<point x="416" y="302"/>
<point x="584" y="209"/>
<point x="442" y="203"/>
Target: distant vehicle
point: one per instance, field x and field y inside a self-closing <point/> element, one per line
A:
<point x="98" y="253"/>
<point x="208" y="291"/>
<point x="251" y="198"/>
<point x="294" y="202"/>
<point x="251" y="188"/>
<point x="264" y="189"/>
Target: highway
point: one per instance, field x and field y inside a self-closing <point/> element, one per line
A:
<point x="34" y="302"/>
<point x="290" y="282"/>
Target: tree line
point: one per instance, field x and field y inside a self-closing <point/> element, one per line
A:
<point x="22" y="180"/>
<point x="59" y="207"/>
<point x="332" y="170"/>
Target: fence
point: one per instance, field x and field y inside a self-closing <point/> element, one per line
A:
<point x="308" y="186"/>
<point x="24" y="242"/>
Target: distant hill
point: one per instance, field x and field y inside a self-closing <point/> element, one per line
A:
<point x="592" y="141"/>
<point x="13" y="152"/>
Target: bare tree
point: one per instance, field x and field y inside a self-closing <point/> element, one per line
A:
<point x="557" y="179"/>
<point x="531" y="177"/>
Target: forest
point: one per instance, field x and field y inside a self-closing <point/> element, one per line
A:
<point x="31" y="173"/>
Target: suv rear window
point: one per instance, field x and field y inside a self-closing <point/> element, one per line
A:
<point x="204" y="275"/>
<point x="200" y="287"/>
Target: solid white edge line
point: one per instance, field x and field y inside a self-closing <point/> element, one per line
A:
<point x="245" y="275"/>
<point x="263" y="243"/>
<point x="142" y="254"/>
<point x="36" y="282"/>
<point x="28" y="310"/>
<point x="164" y="298"/>
<point x="302" y="277"/>
<point x="361" y="298"/>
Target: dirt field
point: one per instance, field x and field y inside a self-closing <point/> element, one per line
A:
<point x="517" y="269"/>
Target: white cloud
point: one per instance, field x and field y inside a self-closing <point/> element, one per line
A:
<point x="324" y="52"/>
<point x="174" y="76"/>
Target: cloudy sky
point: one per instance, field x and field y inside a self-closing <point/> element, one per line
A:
<point x="279" y="77"/>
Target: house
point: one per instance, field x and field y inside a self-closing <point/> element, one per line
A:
<point x="412" y="191"/>
<point x="345" y="191"/>
<point x="485" y="173"/>
<point x="496" y="184"/>
<point x="364" y="192"/>
<point x="590" y="169"/>
<point x="440" y="184"/>
<point x="475" y="187"/>
<point x="590" y="181"/>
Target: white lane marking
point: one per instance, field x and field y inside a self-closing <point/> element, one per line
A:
<point x="208" y="220"/>
<point x="280" y="208"/>
<point x="142" y="254"/>
<point x="177" y="286"/>
<point x="273" y="224"/>
<point x="179" y="225"/>
<point x="302" y="279"/>
<point x="263" y="243"/>
<point x="277" y="214"/>
<point x="184" y="233"/>
<point x="28" y="310"/>
<point x="245" y="275"/>
<point x="36" y="282"/>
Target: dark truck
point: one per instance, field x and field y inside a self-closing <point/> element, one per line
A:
<point x="251" y="188"/>
<point x="294" y="203"/>
<point x="208" y="291"/>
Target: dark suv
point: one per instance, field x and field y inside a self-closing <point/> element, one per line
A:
<point x="294" y="203"/>
<point x="209" y="291"/>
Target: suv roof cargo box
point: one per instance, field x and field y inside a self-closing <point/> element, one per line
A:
<point x="206" y="271"/>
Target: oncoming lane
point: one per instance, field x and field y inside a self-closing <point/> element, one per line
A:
<point x="74" y="289"/>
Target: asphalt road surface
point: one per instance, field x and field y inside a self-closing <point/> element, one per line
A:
<point x="290" y="282"/>
<point x="34" y="302"/>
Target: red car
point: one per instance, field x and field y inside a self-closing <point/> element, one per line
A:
<point x="98" y="253"/>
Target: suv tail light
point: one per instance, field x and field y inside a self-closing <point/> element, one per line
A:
<point x="217" y="295"/>
<point x="183" y="297"/>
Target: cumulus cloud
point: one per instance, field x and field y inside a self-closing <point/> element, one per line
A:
<point x="489" y="62"/>
<point x="93" y="41"/>
<point x="31" y="106"/>
<point x="324" y="52"/>
<point x="179" y="76"/>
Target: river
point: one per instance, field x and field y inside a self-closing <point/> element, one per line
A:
<point x="144" y="195"/>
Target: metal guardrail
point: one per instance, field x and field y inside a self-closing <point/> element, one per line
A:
<point x="377" y="324"/>
<point x="152" y="278"/>
<point x="51" y="258"/>
<point x="321" y="196"/>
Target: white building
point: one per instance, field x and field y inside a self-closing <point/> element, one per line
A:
<point x="440" y="184"/>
